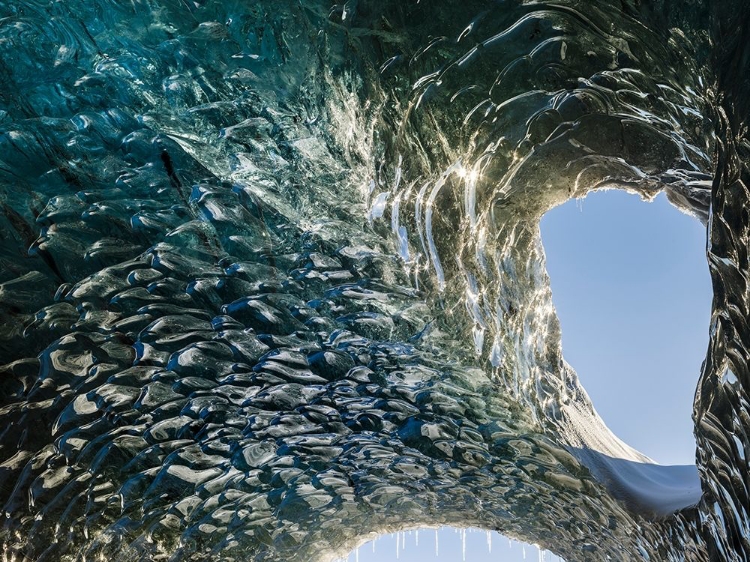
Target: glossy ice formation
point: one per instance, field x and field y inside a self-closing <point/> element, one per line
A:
<point x="272" y="282"/>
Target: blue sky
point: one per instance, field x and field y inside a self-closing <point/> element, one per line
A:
<point x="451" y="548"/>
<point x="631" y="287"/>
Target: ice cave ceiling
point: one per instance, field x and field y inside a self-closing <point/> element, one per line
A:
<point x="271" y="277"/>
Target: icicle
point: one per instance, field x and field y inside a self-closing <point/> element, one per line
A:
<point x="489" y="542"/>
<point x="463" y="544"/>
<point x="436" y="544"/>
<point x="416" y="536"/>
<point x="356" y="555"/>
<point x="398" y="545"/>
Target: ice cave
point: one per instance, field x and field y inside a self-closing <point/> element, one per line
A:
<point x="272" y="282"/>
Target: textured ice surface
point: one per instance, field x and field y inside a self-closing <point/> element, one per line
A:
<point x="272" y="282"/>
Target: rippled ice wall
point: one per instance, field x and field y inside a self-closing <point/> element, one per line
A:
<point x="272" y="281"/>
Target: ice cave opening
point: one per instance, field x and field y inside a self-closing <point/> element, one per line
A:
<point x="448" y="544"/>
<point x="633" y="294"/>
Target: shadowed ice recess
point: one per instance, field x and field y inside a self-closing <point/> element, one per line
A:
<point x="273" y="285"/>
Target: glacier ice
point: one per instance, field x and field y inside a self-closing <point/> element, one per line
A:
<point x="272" y="279"/>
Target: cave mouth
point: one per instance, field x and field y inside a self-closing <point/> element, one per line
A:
<point x="632" y="292"/>
<point x="447" y="544"/>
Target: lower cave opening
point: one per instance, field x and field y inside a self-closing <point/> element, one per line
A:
<point x="447" y="544"/>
